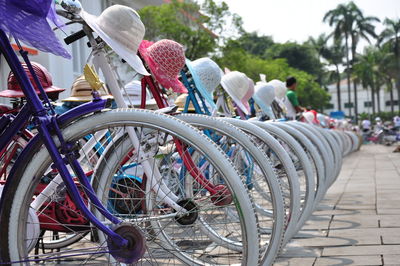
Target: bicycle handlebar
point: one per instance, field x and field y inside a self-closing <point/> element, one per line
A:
<point x="74" y="37"/>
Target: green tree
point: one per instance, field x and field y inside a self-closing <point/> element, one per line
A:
<point x="186" y="23"/>
<point x="220" y="20"/>
<point x="319" y="44"/>
<point x="368" y="70"/>
<point x="350" y="25"/>
<point x="363" y="29"/>
<point x="390" y="37"/>
<point x="342" y="19"/>
<point x="309" y="92"/>
<point x="334" y="55"/>
<point x="298" y="56"/>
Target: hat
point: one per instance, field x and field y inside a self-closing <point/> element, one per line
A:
<point x="239" y="88"/>
<point x="280" y="88"/>
<point x="165" y="58"/>
<point x="81" y="91"/>
<point x="26" y="21"/>
<point x="322" y="119"/>
<point x="14" y="89"/>
<point x="309" y="117"/>
<point x="206" y="75"/>
<point x="181" y="101"/>
<point x="121" y="28"/>
<point x="132" y="94"/>
<point x="264" y="94"/>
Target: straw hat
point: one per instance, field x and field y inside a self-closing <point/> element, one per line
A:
<point x="181" y="101"/>
<point x="239" y="88"/>
<point x="280" y="88"/>
<point x="206" y="75"/>
<point x="14" y="89"/>
<point x="264" y="95"/>
<point x="121" y="28"/>
<point x="26" y="21"/>
<point x="132" y="93"/>
<point x="165" y="58"/>
<point x="82" y="92"/>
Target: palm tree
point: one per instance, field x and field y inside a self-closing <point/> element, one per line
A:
<point x="387" y="69"/>
<point x="334" y="55"/>
<point x="349" y="22"/>
<point x="363" y="29"/>
<point x="391" y="38"/>
<point x="319" y="46"/>
<point x="365" y="72"/>
<point x="342" y="20"/>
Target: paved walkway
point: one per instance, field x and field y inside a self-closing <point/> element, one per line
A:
<point x="358" y="222"/>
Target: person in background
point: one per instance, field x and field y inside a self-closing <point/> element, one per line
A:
<point x="366" y="125"/>
<point x="396" y="122"/>
<point x="291" y="102"/>
<point x="378" y="124"/>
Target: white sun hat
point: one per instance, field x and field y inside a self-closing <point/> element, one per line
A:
<point x="207" y="76"/>
<point x="132" y="93"/>
<point x="280" y="88"/>
<point x="309" y="117"/>
<point x="264" y="95"/>
<point x="237" y="85"/>
<point x="121" y="28"/>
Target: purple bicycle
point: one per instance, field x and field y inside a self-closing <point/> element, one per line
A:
<point x="149" y="231"/>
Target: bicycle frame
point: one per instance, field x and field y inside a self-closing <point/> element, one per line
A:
<point x="100" y="61"/>
<point x="194" y="97"/>
<point x="45" y="124"/>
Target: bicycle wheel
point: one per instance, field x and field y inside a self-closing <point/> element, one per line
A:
<point x="284" y="168"/>
<point x="328" y="154"/>
<point x="18" y="218"/>
<point x="321" y="146"/>
<point x="313" y="155"/>
<point x="303" y="166"/>
<point x="256" y="171"/>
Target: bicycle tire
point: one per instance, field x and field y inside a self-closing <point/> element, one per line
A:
<point x="22" y="185"/>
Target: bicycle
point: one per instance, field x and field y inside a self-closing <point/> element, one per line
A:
<point x="60" y="134"/>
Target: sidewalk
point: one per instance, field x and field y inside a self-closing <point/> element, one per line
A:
<point x="358" y="222"/>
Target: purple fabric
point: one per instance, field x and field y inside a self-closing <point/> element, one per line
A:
<point x="53" y="17"/>
<point x="26" y="20"/>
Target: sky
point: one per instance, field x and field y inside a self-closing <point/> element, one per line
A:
<point x="296" y="20"/>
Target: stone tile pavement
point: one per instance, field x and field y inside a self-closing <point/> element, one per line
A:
<point x="358" y="222"/>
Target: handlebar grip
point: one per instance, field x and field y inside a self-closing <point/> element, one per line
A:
<point x="75" y="36"/>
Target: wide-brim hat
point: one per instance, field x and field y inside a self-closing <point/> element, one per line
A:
<point x="248" y="95"/>
<point x="20" y="94"/>
<point x="207" y="76"/>
<point x="280" y="88"/>
<point x="43" y="75"/>
<point x="132" y="93"/>
<point x="174" y="59"/>
<point x="81" y="91"/>
<point x="180" y="101"/>
<point x="121" y="28"/>
<point x="236" y="84"/>
<point x="263" y="95"/>
<point x="27" y="21"/>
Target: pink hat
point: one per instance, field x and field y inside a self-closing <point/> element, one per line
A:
<point x="165" y="58"/>
<point x="248" y="95"/>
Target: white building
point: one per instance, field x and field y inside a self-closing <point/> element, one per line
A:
<point x="62" y="70"/>
<point x="364" y="99"/>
